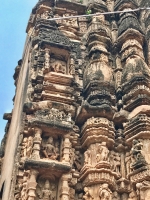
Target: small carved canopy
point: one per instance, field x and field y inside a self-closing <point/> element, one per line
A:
<point x="122" y="4"/>
<point x="135" y="66"/>
<point x="128" y="21"/>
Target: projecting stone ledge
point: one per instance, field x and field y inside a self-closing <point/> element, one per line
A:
<point x="51" y="125"/>
<point x="54" y="167"/>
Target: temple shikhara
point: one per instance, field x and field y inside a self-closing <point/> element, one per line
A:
<point x="80" y="126"/>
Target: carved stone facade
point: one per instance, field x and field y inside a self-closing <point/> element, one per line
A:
<point x="81" y="129"/>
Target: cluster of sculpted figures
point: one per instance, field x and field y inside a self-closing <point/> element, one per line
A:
<point x="104" y="193"/>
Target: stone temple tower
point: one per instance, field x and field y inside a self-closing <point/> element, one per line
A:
<point x="80" y="127"/>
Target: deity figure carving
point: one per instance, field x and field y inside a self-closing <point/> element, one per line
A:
<point x="87" y="195"/>
<point x="46" y="191"/>
<point x="104" y="192"/>
<point x="72" y="66"/>
<point x="59" y="67"/>
<point x="47" y="59"/>
<point x="102" y="152"/>
<point x="87" y="157"/>
<point x="137" y="153"/>
<point x="49" y="150"/>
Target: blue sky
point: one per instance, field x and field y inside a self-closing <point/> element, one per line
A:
<point x="14" y="16"/>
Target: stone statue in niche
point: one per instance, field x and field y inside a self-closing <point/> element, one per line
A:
<point x="104" y="192"/>
<point x="49" y="149"/>
<point x="46" y="190"/>
<point x="102" y="152"/>
<point x="136" y="150"/>
<point x="87" y="157"/>
<point x="58" y="66"/>
<point x="87" y="195"/>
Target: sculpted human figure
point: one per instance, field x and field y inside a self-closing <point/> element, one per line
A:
<point x="87" y="157"/>
<point x="49" y="149"/>
<point x="104" y="192"/>
<point x="102" y="152"/>
<point x="30" y="91"/>
<point x="29" y="146"/>
<point x="24" y="188"/>
<point x="24" y="147"/>
<point x="77" y="160"/>
<point x="128" y="162"/>
<point x="137" y="150"/>
<point x="46" y="192"/>
<point x="87" y="195"/>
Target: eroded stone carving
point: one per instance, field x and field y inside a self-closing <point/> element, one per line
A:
<point x="102" y="152"/>
<point x="136" y="150"/>
<point x="46" y="190"/>
<point x="87" y="195"/>
<point x="26" y="147"/>
<point x="49" y="149"/>
<point x="104" y="192"/>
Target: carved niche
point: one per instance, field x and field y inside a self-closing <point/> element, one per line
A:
<point x="50" y="148"/>
<point x="46" y="189"/>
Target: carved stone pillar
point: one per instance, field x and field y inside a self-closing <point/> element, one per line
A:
<point x="66" y="149"/>
<point x="36" y="143"/>
<point x="32" y="185"/>
<point x="64" y="194"/>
